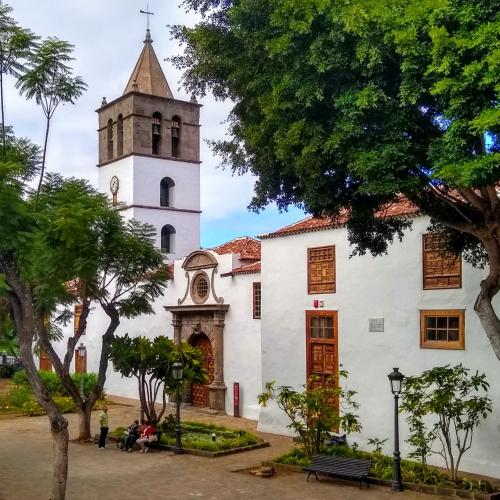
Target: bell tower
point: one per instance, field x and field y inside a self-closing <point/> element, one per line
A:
<point x="149" y="156"/>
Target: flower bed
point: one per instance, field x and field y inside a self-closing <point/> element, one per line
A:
<point x="207" y="437"/>
<point x="381" y="469"/>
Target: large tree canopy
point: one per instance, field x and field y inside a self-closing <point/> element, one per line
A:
<point x="349" y="104"/>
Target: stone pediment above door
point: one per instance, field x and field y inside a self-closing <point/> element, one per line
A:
<point x="199" y="260"/>
<point x="200" y="271"/>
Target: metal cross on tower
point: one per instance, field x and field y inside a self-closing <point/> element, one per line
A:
<point x="147" y="14"/>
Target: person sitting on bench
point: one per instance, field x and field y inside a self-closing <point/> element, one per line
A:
<point x="130" y="437"/>
<point x="147" y="436"/>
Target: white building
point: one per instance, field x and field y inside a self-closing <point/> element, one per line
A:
<point x="319" y="310"/>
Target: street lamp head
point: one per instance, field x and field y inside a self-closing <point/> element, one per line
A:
<point x="82" y="350"/>
<point x="177" y="369"/>
<point x="396" y="380"/>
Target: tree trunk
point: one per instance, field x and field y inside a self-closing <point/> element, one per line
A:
<point x="489" y="288"/>
<point x="3" y="113"/>
<point x="42" y="171"/>
<point x="21" y="302"/>
<point x="85" y="414"/>
<point x="60" y="439"/>
<point x="84" y="418"/>
<point x="486" y="313"/>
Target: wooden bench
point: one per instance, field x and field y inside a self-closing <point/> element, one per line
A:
<point x="341" y="467"/>
<point x="155" y="444"/>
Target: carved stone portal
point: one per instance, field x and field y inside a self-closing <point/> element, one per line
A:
<point x="192" y="322"/>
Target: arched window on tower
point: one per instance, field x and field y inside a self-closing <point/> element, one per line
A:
<point x="167" y="192"/>
<point x="167" y="238"/>
<point x="156" y="133"/>
<point x="119" y="135"/>
<point x="176" y="136"/>
<point x="110" y="139"/>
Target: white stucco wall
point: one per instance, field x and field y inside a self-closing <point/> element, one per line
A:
<point x="140" y="179"/>
<point x="242" y="362"/>
<point x="388" y="287"/>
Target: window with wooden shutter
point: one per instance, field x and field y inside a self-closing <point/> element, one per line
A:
<point x="45" y="361"/>
<point x="77" y="314"/>
<point x="256" y="300"/>
<point x="441" y="269"/>
<point x="321" y="270"/>
<point x="442" y="329"/>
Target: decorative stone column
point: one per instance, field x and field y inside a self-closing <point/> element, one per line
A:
<point x="177" y="324"/>
<point x="217" y="389"/>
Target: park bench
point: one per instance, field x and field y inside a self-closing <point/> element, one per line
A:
<point x="341" y="467"/>
<point x="155" y="444"/>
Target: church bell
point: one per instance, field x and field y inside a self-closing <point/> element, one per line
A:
<point x="156" y="129"/>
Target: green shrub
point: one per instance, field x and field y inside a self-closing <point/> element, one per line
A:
<point x="32" y="409"/>
<point x="381" y="468"/>
<point x="199" y="436"/>
<point x="8" y="371"/>
<point x="53" y="383"/>
<point x="17" y="396"/>
<point x="20" y="378"/>
<point x="118" y="432"/>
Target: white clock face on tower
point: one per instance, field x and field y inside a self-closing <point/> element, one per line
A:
<point x="114" y="184"/>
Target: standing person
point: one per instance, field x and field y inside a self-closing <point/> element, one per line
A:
<point x="104" y="423"/>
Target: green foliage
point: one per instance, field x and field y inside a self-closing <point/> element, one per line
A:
<point x="312" y="412"/>
<point x="198" y="436"/>
<point x="64" y="404"/>
<point x="377" y="444"/>
<point x="445" y="405"/>
<point x="16" y="44"/>
<point x="381" y="468"/>
<point x="150" y="361"/>
<point x="352" y="103"/>
<point x="53" y="383"/>
<point x="118" y="432"/>
<point x="16" y="397"/>
<point x="341" y="107"/>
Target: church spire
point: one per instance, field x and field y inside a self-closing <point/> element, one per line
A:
<point x="148" y="77"/>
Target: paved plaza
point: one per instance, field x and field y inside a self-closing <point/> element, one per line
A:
<point x="26" y="467"/>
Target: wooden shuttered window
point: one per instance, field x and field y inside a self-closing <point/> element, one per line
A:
<point x="441" y="269"/>
<point x="442" y="329"/>
<point x="80" y="362"/>
<point x="256" y="300"/>
<point x="321" y="270"/>
<point x="77" y="314"/>
<point x="45" y="361"/>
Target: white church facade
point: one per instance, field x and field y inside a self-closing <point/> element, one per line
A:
<point x="291" y="303"/>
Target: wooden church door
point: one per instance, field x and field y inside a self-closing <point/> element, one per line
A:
<point x="199" y="392"/>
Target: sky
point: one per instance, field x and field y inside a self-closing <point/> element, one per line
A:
<point x="108" y="37"/>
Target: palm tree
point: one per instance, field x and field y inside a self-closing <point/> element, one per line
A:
<point x="49" y="80"/>
<point x="15" y="45"/>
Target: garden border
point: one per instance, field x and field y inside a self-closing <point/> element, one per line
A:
<point x="215" y="454"/>
<point x="421" y="488"/>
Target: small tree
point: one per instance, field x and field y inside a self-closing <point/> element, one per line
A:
<point x="16" y="44"/>
<point x="150" y="362"/>
<point x="48" y="79"/>
<point x="316" y="410"/>
<point x="447" y="399"/>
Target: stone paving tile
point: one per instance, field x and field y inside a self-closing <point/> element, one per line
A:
<point x="26" y="468"/>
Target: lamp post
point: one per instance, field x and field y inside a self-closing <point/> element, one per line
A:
<point x="396" y="380"/>
<point x="82" y="352"/>
<point x="177" y="375"/>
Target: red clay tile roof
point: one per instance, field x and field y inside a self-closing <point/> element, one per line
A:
<point x="247" y="248"/>
<point x="401" y="206"/>
<point x="252" y="268"/>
